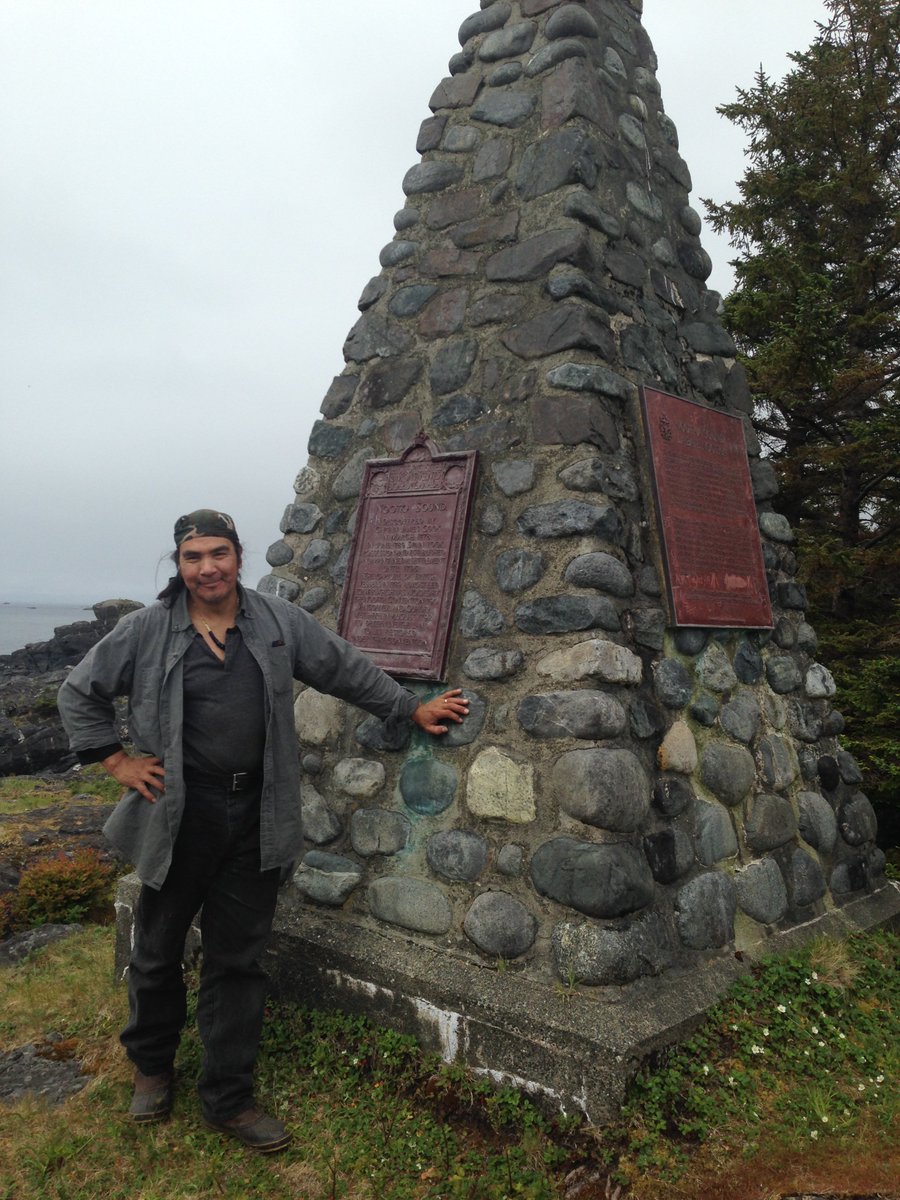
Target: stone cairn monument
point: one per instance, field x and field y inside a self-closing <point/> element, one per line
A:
<point x="561" y="883"/>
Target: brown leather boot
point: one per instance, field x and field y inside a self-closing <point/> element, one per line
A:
<point x="152" y="1099"/>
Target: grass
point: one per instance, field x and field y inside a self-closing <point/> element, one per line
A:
<point x="789" y="1086"/>
<point x="24" y="793"/>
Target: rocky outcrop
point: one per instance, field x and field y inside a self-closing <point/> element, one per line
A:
<point x="31" y="735"/>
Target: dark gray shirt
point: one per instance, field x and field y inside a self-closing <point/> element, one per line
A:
<point x="224" y="709"/>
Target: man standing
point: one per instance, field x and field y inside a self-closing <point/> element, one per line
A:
<point x="211" y="816"/>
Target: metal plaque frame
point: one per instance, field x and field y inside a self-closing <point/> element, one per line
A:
<point x="406" y="558"/>
<point x="707" y="517"/>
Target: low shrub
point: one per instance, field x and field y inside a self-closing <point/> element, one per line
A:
<point x="64" y="889"/>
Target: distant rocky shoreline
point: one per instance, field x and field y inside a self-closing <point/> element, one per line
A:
<point x="31" y="734"/>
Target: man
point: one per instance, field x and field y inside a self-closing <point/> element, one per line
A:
<point x="211" y="816"/>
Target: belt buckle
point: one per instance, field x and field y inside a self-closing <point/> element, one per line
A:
<point x="238" y="781"/>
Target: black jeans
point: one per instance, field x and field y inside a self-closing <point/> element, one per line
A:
<point x="215" y="865"/>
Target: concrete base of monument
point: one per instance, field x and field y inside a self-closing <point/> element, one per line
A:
<point x="573" y="1049"/>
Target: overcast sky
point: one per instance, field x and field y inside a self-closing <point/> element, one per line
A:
<point x="193" y="195"/>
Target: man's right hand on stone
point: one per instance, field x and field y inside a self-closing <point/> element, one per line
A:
<point x="142" y="774"/>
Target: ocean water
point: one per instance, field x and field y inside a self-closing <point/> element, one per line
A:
<point x="24" y="623"/>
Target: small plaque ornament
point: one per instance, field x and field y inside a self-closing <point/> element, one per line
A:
<point x="406" y="557"/>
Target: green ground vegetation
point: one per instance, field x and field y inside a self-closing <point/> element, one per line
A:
<point x="791" y="1081"/>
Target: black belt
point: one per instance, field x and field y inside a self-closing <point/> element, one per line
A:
<point x="240" y="781"/>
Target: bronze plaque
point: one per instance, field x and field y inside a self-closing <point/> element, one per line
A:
<point x="405" y="558"/>
<point x="707" y="515"/>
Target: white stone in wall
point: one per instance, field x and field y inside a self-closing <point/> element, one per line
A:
<point x="359" y="777"/>
<point x="317" y="718"/>
<point x="501" y="788"/>
<point x="595" y="659"/>
<point x="820" y="683"/>
<point x="679" y="750"/>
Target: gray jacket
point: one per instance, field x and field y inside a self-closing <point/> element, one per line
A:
<point x="142" y="658"/>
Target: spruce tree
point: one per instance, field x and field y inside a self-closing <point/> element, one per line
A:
<point x="816" y="316"/>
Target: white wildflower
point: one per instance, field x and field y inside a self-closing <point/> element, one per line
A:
<point x="781" y="1008"/>
<point x="757" y="1050"/>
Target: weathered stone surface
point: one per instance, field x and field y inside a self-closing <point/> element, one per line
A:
<point x="606" y="788"/>
<point x="776" y="527"/>
<point x="569" y="421"/>
<point x="320" y="824"/>
<point x="579" y="714"/>
<point x="563" y="157"/>
<point x="428" y="786"/>
<point x="458" y="410"/>
<point x="571" y="20"/>
<point x="714" y="835"/>
<point x="328" y="440"/>
<point x="649" y="625"/>
<point x="673" y="682"/>
<point x="452" y="365"/>
<point x="645" y="718"/>
<point x="500" y="925"/>
<point x="316" y="554"/>
<point x="279" y="554"/>
<point x="507" y="109"/>
<point x="598" y="880"/>
<point x="327" y="878"/>
<point x="300" y="518"/>
<point x="779" y="763"/>
<point x="704" y="912"/>
<point x="864" y="870"/>
<point x="318" y="718"/>
<point x="284" y="589"/>
<point x="409" y="301"/>
<point x="348" y="481"/>
<point x="493" y="159"/>
<point x="517" y="570"/>
<point x="491" y="519"/>
<point x="819" y="683"/>
<point x="462" y="204"/>
<point x="274" y="585"/>
<point x="728" y="771"/>
<point x="468" y="731"/>
<point x="817" y="822"/>
<point x="671" y="795"/>
<point x="431" y="176"/>
<point x="384" y="736"/>
<point x="714" y="670"/>
<point x="567" y="614"/>
<point x="444" y="314"/>
<point x="484" y="663"/>
<point x="748" y="663"/>
<point x="535" y="256"/>
<point x="338" y="397"/>
<point x="360" y="777"/>
<point x="597" y="956"/>
<point x="511" y="860"/>
<point x="513" y="478"/>
<point x="792" y="595"/>
<point x="670" y="854"/>
<point x="770" y="822"/>
<point x="806" y="883"/>
<point x="494" y="16"/>
<point x="509" y="42"/>
<point x="563" y="327"/>
<point x="761" y="892"/>
<point x="571" y="518"/>
<point x="477" y="618"/>
<point x="410" y="903"/>
<point x="602" y="571"/>
<point x="594" y="659"/>
<point x="392" y="255"/>
<point x="378" y="831"/>
<point x="782" y="673"/>
<point x="456" y="92"/>
<point x="678" y="751"/>
<point x="506" y="72"/>
<point x="849" y="768"/>
<point x="375" y="336"/>
<point x="857" y="821"/>
<point x="741" y="717"/>
<point x="584" y="377"/>
<point x="457" y="854"/>
<point x="500" y="788"/>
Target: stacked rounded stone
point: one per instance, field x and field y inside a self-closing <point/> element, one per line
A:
<point x="621" y="792"/>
